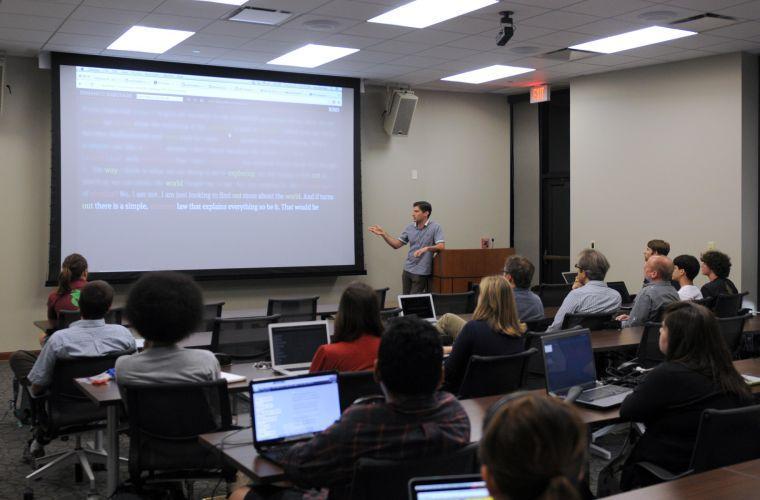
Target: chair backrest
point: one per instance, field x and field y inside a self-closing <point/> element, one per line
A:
<point x="381" y="293"/>
<point x="165" y="421"/>
<point x="65" y="404"/>
<point x="474" y="287"/>
<point x="115" y="316"/>
<point x="539" y="325"/>
<point x="210" y="313"/>
<point x="552" y="294"/>
<point x="66" y="318"/>
<point x="619" y="287"/>
<point x="291" y="310"/>
<point x="727" y="306"/>
<point x="648" y="353"/>
<point x="489" y="375"/>
<point x="242" y="338"/>
<point x="726" y="437"/>
<point x="456" y="303"/>
<point x="590" y="321"/>
<point x="383" y="479"/>
<point x="388" y="314"/>
<point x="732" y="330"/>
<point x="355" y="385"/>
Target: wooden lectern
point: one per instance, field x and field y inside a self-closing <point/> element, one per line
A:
<point x="454" y="270"/>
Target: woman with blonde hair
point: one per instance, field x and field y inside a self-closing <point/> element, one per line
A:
<point x="494" y="330"/>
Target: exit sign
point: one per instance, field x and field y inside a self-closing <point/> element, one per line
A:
<point x="539" y="94"/>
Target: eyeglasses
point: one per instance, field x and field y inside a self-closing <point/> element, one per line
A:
<point x="580" y="269"/>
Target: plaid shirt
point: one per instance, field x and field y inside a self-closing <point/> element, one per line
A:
<point x="376" y="429"/>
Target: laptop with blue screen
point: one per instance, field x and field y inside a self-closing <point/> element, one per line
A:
<point x="569" y="362"/>
<point x="466" y="487"/>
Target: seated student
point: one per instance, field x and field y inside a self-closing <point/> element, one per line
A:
<point x="658" y="247"/>
<point x="657" y="294"/>
<point x="88" y="337"/>
<point x="519" y="273"/>
<point x="494" y="330"/>
<point x="414" y="420"/>
<point x="533" y="447"/>
<point x="71" y="280"/>
<point x="590" y="294"/>
<point x="165" y="307"/>
<point x="357" y="333"/>
<point x="717" y="266"/>
<point x="697" y="374"/>
<point x="685" y="269"/>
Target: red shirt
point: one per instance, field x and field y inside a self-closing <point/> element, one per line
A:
<point x="66" y="302"/>
<point x="354" y="356"/>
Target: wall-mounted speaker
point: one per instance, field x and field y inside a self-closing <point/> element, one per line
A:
<point x="398" y="119"/>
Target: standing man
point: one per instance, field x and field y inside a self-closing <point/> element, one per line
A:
<point x="425" y="237"/>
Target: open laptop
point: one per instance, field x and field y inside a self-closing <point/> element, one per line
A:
<point x="569" y="362"/>
<point x="292" y="345"/>
<point x="619" y="287"/>
<point x="470" y="487"/>
<point x="569" y="277"/>
<point x="420" y="305"/>
<point x="288" y="410"/>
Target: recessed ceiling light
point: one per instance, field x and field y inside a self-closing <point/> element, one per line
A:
<point x="482" y="75"/>
<point x="424" y="13"/>
<point x="226" y="2"/>
<point x="312" y="55"/>
<point x="633" y="39"/>
<point x="152" y="40"/>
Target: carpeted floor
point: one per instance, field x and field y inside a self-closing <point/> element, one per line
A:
<point x="60" y="485"/>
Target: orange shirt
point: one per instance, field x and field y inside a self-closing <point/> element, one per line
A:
<point x="353" y="356"/>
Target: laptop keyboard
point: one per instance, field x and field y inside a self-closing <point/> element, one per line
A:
<point x="275" y="454"/>
<point x="603" y="392"/>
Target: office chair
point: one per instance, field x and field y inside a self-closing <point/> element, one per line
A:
<point x="489" y="375"/>
<point x="64" y="410"/>
<point x="377" y="479"/>
<point x="590" y="321"/>
<point x="292" y="310"/>
<point x="539" y="325"/>
<point x="165" y="421"/>
<point x="66" y="318"/>
<point x="355" y="385"/>
<point x="242" y="338"/>
<point x="115" y="316"/>
<point x="381" y="293"/>
<point x="210" y="313"/>
<point x="727" y="306"/>
<point x="732" y="330"/>
<point x="456" y="303"/>
<point x="552" y="295"/>
<point x="388" y="314"/>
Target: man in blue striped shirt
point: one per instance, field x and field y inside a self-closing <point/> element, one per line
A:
<point x="590" y="294"/>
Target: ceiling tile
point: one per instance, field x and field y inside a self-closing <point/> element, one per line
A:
<point x="270" y="46"/>
<point x="183" y="59"/>
<point x="523" y="33"/>
<point x="375" y="30"/>
<point x="370" y="56"/>
<point x="559" y="39"/>
<point x="446" y="52"/>
<point x="560" y="20"/>
<point x="248" y="56"/>
<point x="388" y="71"/>
<point x="522" y="11"/>
<point x="230" y="42"/>
<point x="675" y="13"/>
<point x="683" y="54"/>
<point x="607" y="8"/>
<point x="704" y="5"/>
<point x="749" y="10"/>
<point x="606" y="27"/>
<point x="138" y="5"/>
<point x="468" y="25"/>
<point x="166" y="21"/>
<point x="95" y="42"/>
<point x="205" y="10"/>
<point x="733" y="46"/>
<point x="610" y="60"/>
<point x="74" y="49"/>
<point x="398" y="47"/>
<point x="236" y="28"/>
<point x="431" y="36"/>
<point x="35" y="8"/>
<point x="341" y="23"/>
<point x="353" y="10"/>
<point x="421" y="76"/>
<point x="231" y="63"/>
<point x="295" y="6"/>
<point x="345" y="66"/>
<point x="114" y="16"/>
<point x="697" y="41"/>
<point x="742" y="30"/>
<point x="128" y="54"/>
<point x="476" y="42"/>
<point x="292" y="35"/>
<point x="19" y="35"/>
<point x="419" y="61"/>
<point x="26" y="22"/>
<point x="354" y="42"/>
<point x="535" y="62"/>
<point x="89" y="28"/>
<point x="651" y="51"/>
<point x="187" y="49"/>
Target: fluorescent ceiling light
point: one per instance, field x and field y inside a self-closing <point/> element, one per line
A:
<point x="633" y="39"/>
<point x="153" y="40"/>
<point x="487" y="74"/>
<point x="424" y="13"/>
<point x="226" y="2"/>
<point x="312" y="55"/>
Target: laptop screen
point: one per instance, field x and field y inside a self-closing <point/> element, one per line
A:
<point x="449" y="488"/>
<point x="297" y="343"/>
<point x="293" y="406"/>
<point x="417" y="305"/>
<point x="569" y="277"/>
<point x="569" y="361"/>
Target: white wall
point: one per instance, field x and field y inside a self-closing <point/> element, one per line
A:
<point x="459" y="143"/>
<point x="667" y="151"/>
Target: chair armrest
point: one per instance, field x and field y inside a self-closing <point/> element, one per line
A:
<point x="661" y="473"/>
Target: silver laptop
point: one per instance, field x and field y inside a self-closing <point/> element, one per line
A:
<point x="420" y="305"/>
<point x="292" y="345"/>
<point x="569" y="362"/>
<point x="569" y="277"/>
<point x="288" y="410"/>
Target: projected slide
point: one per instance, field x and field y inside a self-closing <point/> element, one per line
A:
<point x="177" y="171"/>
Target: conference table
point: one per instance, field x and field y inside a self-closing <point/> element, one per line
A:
<point x="733" y="482"/>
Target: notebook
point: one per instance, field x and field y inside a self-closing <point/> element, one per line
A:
<point x="292" y="345"/>
<point x="420" y="305"/>
<point x="470" y="487"/>
<point x="569" y="362"/>
<point x="288" y="410"/>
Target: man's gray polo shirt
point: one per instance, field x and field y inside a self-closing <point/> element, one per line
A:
<point x="430" y="234"/>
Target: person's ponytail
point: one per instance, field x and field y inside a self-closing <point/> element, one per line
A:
<point x="73" y="268"/>
<point x="560" y="488"/>
<point x="64" y="281"/>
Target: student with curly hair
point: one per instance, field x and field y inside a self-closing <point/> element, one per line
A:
<point x="717" y="266"/>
